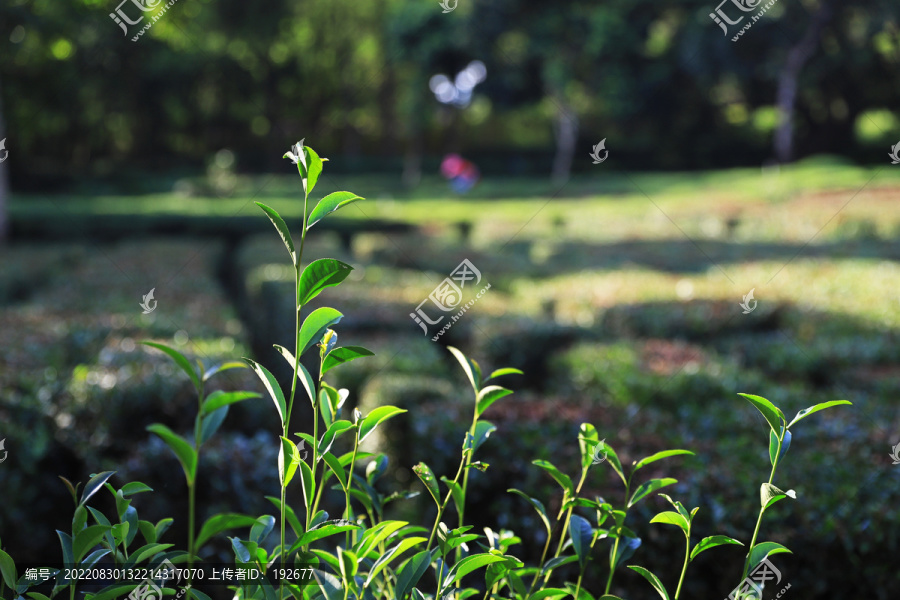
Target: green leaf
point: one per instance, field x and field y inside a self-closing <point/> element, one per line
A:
<point x="65" y="541"/>
<point x="648" y="487"/>
<point x="186" y="455"/>
<point x="711" y="542"/>
<point x="94" y="485"/>
<point x="271" y="385"/>
<point x="72" y="489"/>
<point x="561" y="478"/>
<point x="334" y="431"/>
<point x="672" y="518"/>
<point x="456" y="492"/>
<point x="329" y="585"/>
<point x="483" y="430"/>
<point x="288" y="461"/>
<point x="427" y="477"/>
<point x="375" y="418"/>
<point x="613" y="459"/>
<point x="335" y="465"/>
<point x="282" y="228"/>
<point x="384" y="560"/>
<point x="411" y="572"/>
<point x="180" y="360"/>
<point x="816" y="408"/>
<point x="313" y="169"/>
<point x="8" y="570"/>
<point x="218" y="399"/>
<point x="653" y="579"/>
<point x="627" y="546"/>
<point x="289" y="515"/>
<point x="473" y="372"/>
<point x="240" y="550"/>
<point x="342" y="355"/>
<point x="262" y="528"/>
<point x="302" y="374"/>
<point x="211" y="424"/>
<point x="764" y="550"/>
<point x="329" y="204"/>
<point x="86" y="539"/>
<point x="769" y="495"/>
<point x="322" y="531"/>
<point x="488" y="396"/>
<point x="469" y="564"/>
<point x="549" y="593"/>
<point x="773" y="445"/>
<point x="659" y="456"/>
<point x="347" y="563"/>
<point x="501" y="372"/>
<point x="309" y="484"/>
<point x="769" y="411"/>
<point x="315" y="325"/>
<point x="321" y="274"/>
<point x="587" y="442"/>
<point x="581" y="533"/>
<point x="538" y="506"/>
<point x="223" y="367"/>
<point x="219" y="523"/>
<point x="135" y="487"/>
<point x="147" y="551"/>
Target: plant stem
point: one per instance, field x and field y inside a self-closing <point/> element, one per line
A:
<point x="565" y="530"/>
<point x="762" y="510"/>
<point x="687" y="553"/>
<point x="612" y="560"/>
<point x="347" y="513"/>
<point x="578" y="584"/>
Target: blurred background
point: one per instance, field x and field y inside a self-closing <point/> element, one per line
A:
<point x="630" y="172"/>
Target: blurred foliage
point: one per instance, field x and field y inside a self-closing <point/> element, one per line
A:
<point x="220" y="75"/>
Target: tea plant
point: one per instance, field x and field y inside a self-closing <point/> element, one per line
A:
<point x="362" y="555"/>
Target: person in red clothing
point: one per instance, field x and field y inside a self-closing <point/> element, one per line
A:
<point x="462" y="173"/>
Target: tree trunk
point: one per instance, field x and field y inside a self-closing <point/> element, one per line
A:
<point x="788" y="83"/>
<point x="565" y="130"/>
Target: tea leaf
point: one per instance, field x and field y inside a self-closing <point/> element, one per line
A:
<point x="315" y="325"/>
<point x="816" y="408"/>
<point x="272" y="386"/>
<point x="427" y="476"/>
<point x="186" y="455"/>
<point x="180" y="360"/>
<point x="769" y="411"/>
<point x="711" y="542"/>
<point x="329" y="204"/>
<point x="653" y="579"/>
<point x="321" y="274"/>
<point x="581" y="533"/>
<point x="342" y="355"/>
<point x="648" y="487"/>
<point x="282" y="228"/>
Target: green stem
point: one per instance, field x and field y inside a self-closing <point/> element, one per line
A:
<point x="612" y="560"/>
<point x="578" y="585"/>
<point x="443" y="504"/>
<point x="687" y="553"/>
<point x="762" y="510"/>
<point x="347" y="512"/>
<point x="565" y="522"/>
<point x="541" y="564"/>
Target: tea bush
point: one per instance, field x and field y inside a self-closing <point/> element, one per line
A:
<point x="356" y="550"/>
